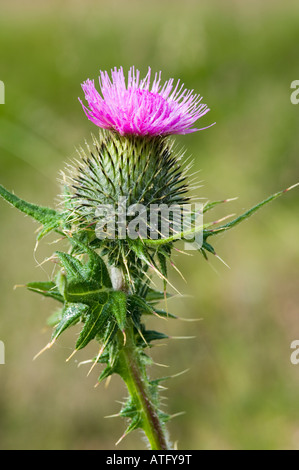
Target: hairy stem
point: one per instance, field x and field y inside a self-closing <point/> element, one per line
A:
<point x="133" y="372"/>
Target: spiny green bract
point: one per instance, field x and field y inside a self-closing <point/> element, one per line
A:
<point x="121" y="172"/>
<point x="143" y="170"/>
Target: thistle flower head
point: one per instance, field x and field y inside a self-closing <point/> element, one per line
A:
<point x="144" y="171"/>
<point x="140" y="108"/>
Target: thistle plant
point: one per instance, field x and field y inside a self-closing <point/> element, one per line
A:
<point x="104" y="280"/>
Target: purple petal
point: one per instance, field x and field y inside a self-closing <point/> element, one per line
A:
<point x="140" y="109"/>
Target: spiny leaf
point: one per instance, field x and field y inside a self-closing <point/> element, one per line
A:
<point x="141" y="251"/>
<point x="50" y="218"/>
<point x="152" y="335"/>
<point x="47" y="228"/>
<point x="146" y="308"/>
<point x="97" y="317"/>
<point x="129" y="409"/>
<point x="48" y="289"/>
<point x="164" y="314"/>
<point x="110" y="354"/>
<point x="106" y="373"/>
<point x="118" y="306"/>
<point x="245" y="215"/>
<point x="211" y="205"/>
<point x="136" y="422"/>
<point x="164" y="417"/>
<point x="153" y="295"/>
<point x="184" y="235"/>
<point x="206" y="247"/>
<point x="107" y="333"/>
<point x="96" y="269"/>
<point x="84" y="282"/>
<point x="137" y="301"/>
<point x="70" y="316"/>
<point x="163" y="263"/>
<point x="85" y="292"/>
<point x="61" y="283"/>
<point x="206" y="228"/>
<point x="73" y="267"/>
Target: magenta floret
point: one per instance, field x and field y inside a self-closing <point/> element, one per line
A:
<point x="140" y="108"/>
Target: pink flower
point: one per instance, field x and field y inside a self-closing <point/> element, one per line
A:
<point x="140" y="109"/>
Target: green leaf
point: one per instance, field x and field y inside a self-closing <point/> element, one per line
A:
<point x="106" y="334"/>
<point x="163" y="263"/>
<point x="211" y="205"/>
<point x="49" y="218"/>
<point x="152" y="335"/>
<point x="118" y="306"/>
<point x="163" y="266"/>
<point x="70" y="316"/>
<point x="141" y="251"/>
<point x="97" y="317"/>
<point x="85" y="283"/>
<point x="106" y="373"/>
<point x="61" y="283"/>
<point x="245" y="215"/>
<point x="136" y="422"/>
<point x="205" y="228"/>
<point x="85" y="292"/>
<point x="164" y="314"/>
<point x="206" y="247"/>
<point x="96" y="269"/>
<point x="153" y="295"/>
<point x="178" y="236"/>
<point x="48" y="289"/>
<point x="73" y="267"/>
<point x="137" y="301"/>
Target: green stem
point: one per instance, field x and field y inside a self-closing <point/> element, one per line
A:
<point x="134" y="374"/>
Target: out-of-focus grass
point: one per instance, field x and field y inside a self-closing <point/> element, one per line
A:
<point x="241" y="390"/>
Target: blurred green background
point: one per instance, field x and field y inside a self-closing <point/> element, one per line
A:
<point x="241" y="390"/>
